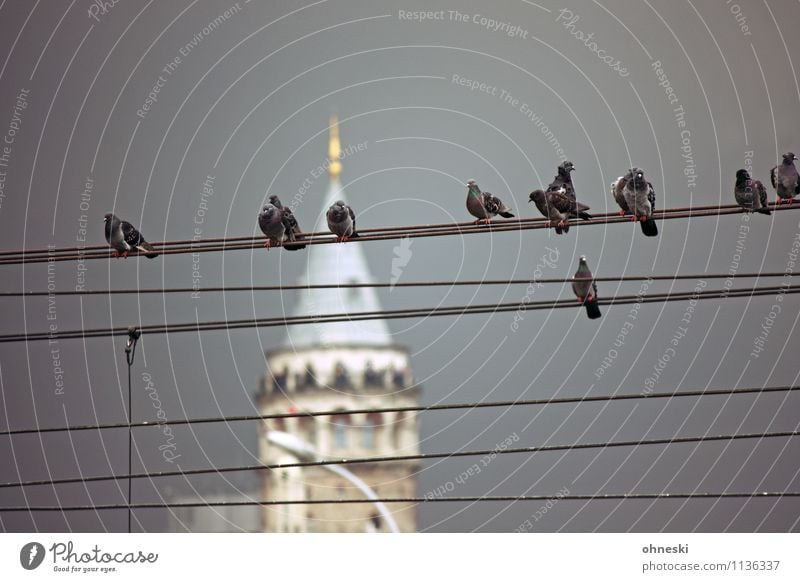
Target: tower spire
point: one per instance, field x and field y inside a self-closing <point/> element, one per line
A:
<point x="334" y="149"/>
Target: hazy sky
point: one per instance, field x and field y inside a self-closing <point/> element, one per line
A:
<point x="134" y="108"/>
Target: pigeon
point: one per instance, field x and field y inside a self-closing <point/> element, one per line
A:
<point x="270" y="220"/>
<point x="563" y="181"/>
<point x="585" y="289"/>
<point x="640" y="199"/>
<point x="617" y="191"/>
<point x="123" y="237"/>
<point x="290" y="225"/>
<point x="342" y="221"/>
<point x="557" y="206"/>
<point x="483" y="205"/>
<point x="750" y="194"/>
<point x="785" y="179"/>
<point x="275" y="201"/>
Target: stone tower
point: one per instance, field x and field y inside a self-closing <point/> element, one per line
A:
<point x="339" y="367"/>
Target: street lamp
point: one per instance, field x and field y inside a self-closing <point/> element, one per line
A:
<point x="305" y="452"/>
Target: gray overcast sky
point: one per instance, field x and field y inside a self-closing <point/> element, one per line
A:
<point x="689" y="91"/>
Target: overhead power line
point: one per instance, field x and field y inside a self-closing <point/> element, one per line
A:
<point x="430" y="408"/>
<point x="405" y="458"/>
<point x="197" y="327"/>
<point x="468" y="283"/>
<point x="408" y="500"/>
<point x="25" y="256"/>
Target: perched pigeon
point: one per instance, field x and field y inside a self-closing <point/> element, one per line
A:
<point x="275" y="201"/>
<point x="618" y="192"/>
<point x="750" y="194"/>
<point x="270" y="220"/>
<point x="559" y="208"/>
<point x="785" y="179"/>
<point x="342" y="221"/>
<point x="483" y="205"/>
<point x="563" y="181"/>
<point x="640" y="199"/>
<point x="290" y="225"/>
<point x="585" y="289"/>
<point x="123" y="237"/>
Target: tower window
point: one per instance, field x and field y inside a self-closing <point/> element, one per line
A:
<point x="341" y="379"/>
<point x="398" y="428"/>
<point x="340" y="432"/>
<point x="368" y="435"/>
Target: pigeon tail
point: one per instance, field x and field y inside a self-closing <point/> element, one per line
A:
<point x="649" y="227"/>
<point x="147" y="250"/>
<point x="291" y="244"/>
<point x="584" y="215"/>
<point x="764" y="211"/>
<point x="592" y="309"/>
<point x="506" y="214"/>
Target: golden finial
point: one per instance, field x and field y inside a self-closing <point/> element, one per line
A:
<point x="334" y="149"/>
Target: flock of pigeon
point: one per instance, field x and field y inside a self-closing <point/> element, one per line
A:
<point x="632" y="192"/>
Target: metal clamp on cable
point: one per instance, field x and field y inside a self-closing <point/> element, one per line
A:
<point x="130" y="348"/>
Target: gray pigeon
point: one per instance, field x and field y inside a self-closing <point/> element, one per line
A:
<point x="123" y="237"/>
<point x="585" y="289"/>
<point x="563" y="181"/>
<point x="618" y="192"/>
<point x="270" y="220"/>
<point x="558" y="207"/>
<point x="483" y="205"/>
<point x="750" y="194"/>
<point x="342" y="221"/>
<point x="290" y="225"/>
<point x="785" y="179"/>
<point x="640" y="198"/>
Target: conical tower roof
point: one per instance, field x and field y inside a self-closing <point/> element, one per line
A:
<point x="337" y="263"/>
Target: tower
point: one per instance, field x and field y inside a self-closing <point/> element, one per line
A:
<point x="339" y="367"/>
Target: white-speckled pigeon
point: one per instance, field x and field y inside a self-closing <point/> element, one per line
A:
<point x="563" y="181"/>
<point x="123" y="237"/>
<point x="585" y="289"/>
<point x="750" y="194"/>
<point x="483" y="206"/>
